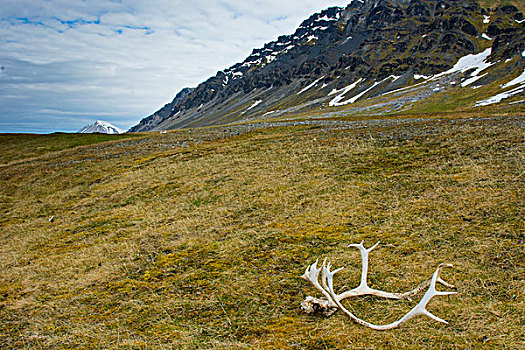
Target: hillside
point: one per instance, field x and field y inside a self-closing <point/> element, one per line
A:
<point x="493" y="4"/>
<point x="23" y="147"/>
<point x="197" y="239"/>
<point x="373" y="57"/>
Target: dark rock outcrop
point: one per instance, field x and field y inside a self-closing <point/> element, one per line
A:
<point x="370" y="39"/>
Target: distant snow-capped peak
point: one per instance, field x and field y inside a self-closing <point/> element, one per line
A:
<point x="101" y="127"/>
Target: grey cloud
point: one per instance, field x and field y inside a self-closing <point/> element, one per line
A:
<point x="67" y="60"/>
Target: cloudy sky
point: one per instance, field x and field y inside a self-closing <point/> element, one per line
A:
<point x="67" y="63"/>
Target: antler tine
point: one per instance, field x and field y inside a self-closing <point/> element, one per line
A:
<point x="356" y="245"/>
<point x="438" y="279"/>
<point x="323" y="276"/>
<point x="423" y="285"/>
<point x="311" y="274"/>
<point x="419" y="309"/>
<point x="307" y="275"/>
<point x="374" y="246"/>
<point x="361" y="246"/>
<point x="448" y="285"/>
<point x="363" y="288"/>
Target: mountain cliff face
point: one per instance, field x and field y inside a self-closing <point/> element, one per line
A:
<point x="344" y="56"/>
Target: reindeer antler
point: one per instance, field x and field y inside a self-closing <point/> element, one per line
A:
<point x="333" y="301"/>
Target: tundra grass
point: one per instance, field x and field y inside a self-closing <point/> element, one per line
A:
<point x="23" y="146"/>
<point x="196" y="239"/>
<point x="493" y="4"/>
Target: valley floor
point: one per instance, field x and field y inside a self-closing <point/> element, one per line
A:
<point x="196" y="239"/>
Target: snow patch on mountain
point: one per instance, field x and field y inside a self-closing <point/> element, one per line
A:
<point x="310" y="86"/>
<point x="477" y="62"/>
<point x="468" y="62"/>
<point x="341" y="94"/>
<point x="500" y="97"/>
<point x="358" y="96"/>
<point x="518" y="80"/>
<point x="255" y="104"/>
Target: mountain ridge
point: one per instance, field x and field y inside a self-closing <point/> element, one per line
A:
<point x="381" y="44"/>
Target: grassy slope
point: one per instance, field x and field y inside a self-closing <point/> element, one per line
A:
<point x="24" y="146"/>
<point x="496" y="3"/>
<point x="172" y="243"/>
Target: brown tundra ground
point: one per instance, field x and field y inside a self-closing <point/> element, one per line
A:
<point x="197" y="239"/>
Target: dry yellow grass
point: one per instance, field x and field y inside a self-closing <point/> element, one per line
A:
<point x="192" y="240"/>
<point x="499" y="3"/>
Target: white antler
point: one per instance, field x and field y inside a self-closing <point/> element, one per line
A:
<point x="363" y="288"/>
<point x="333" y="301"/>
<point x="312" y="274"/>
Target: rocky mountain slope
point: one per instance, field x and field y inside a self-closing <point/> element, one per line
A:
<point x="371" y="57"/>
<point x="100" y="127"/>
